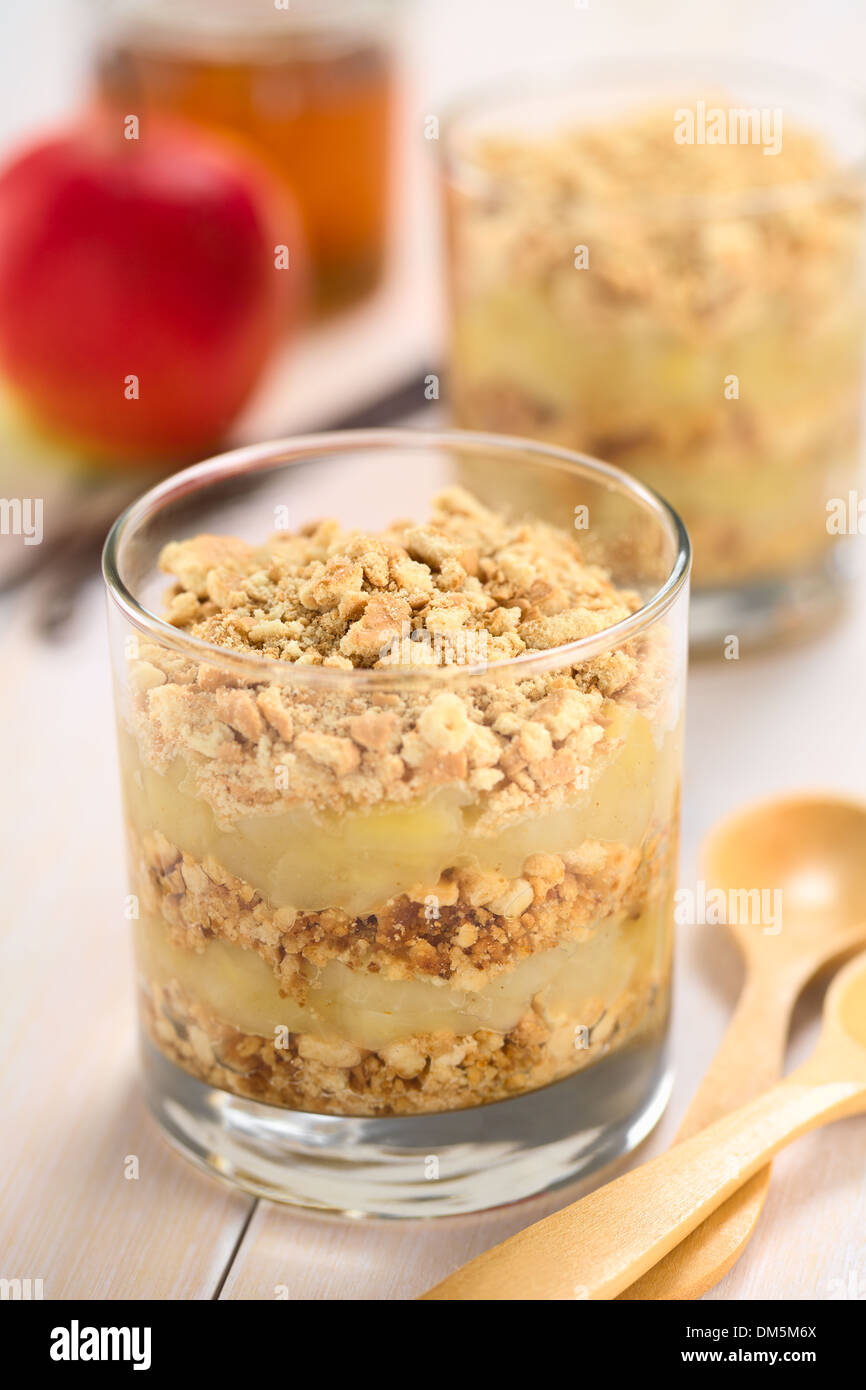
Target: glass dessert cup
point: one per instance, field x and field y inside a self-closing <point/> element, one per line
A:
<point x="692" y="312"/>
<point x="402" y="813"/>
<point x="309" y="88"/>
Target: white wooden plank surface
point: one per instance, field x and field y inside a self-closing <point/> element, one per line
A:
<point x="72" y="1114"/>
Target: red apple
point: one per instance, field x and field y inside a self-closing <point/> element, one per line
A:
<point x="140" y="295"/>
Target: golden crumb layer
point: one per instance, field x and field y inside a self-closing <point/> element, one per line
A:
<point x="429" y="1073"/>
<point x="705" y="146"/>
<point x="337" y="598"/>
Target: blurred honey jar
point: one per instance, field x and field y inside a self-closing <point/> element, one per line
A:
<point x="308" y="86"/>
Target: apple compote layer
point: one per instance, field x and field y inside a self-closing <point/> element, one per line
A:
<point x="400" y="901"/>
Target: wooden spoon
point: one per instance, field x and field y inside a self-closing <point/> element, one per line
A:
<point x="813" y="850"/>
<point x="602" y="1244"/>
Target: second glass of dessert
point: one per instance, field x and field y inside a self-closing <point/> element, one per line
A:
<point x="663" y="266"/>
<point x="400" y="725"/>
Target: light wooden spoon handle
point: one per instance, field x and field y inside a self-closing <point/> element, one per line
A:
<point x="600" y="1245"/>
<point x="749" y="1060"/>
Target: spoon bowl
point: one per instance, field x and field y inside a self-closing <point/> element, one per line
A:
<point x="808" y="850"/>
<point x="843" y="1031"/>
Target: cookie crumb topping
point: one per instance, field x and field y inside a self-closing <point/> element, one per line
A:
<point x="340" y="598"/>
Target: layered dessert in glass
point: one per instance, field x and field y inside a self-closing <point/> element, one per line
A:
<point x="399" y="848"/>
<point x="666" y="271"/>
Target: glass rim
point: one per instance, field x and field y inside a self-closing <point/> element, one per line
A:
<point x="605" y="72"/>
<point x="261" y="458"/>
<point x="179" y="21"/>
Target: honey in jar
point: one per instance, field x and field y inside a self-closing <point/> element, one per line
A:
<point x="308" y="87"/>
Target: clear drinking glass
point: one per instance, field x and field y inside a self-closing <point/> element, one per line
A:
<point x="403" y="930"/>
<point x="691" y="311"/>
